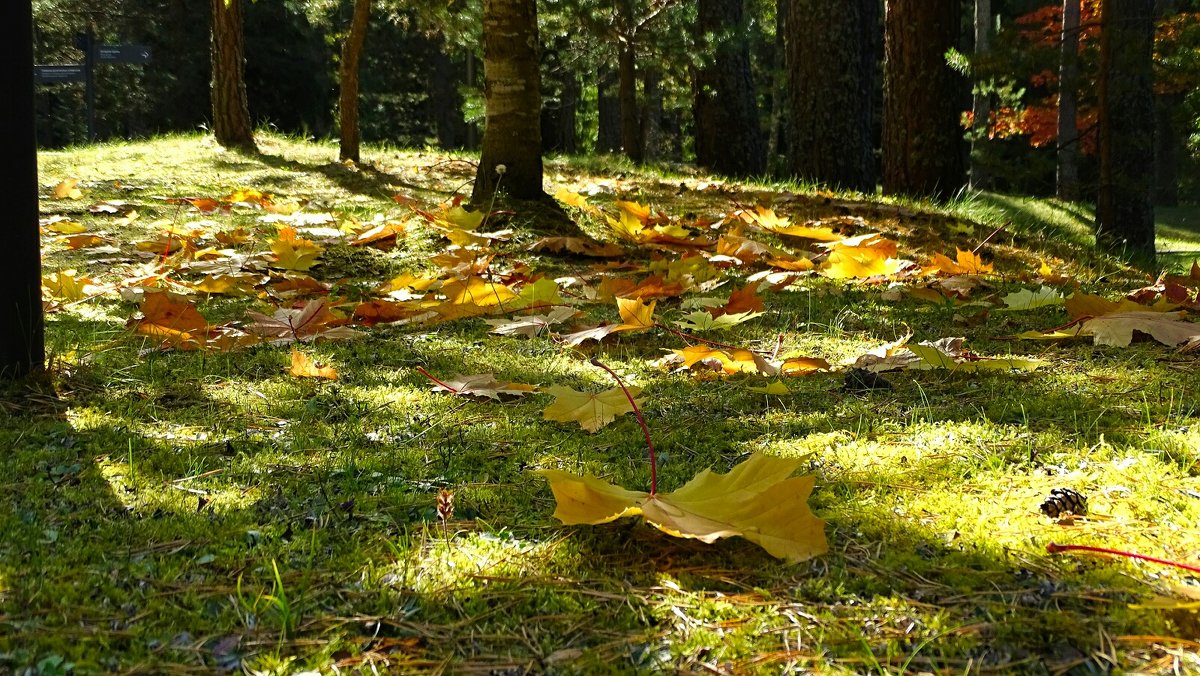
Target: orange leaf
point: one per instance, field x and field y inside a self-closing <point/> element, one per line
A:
<point x="304" y="367"/>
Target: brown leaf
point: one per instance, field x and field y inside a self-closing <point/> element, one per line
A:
<point x="484" y="385"/>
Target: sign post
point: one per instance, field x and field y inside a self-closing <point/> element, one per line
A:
<point x="93" y="53"/>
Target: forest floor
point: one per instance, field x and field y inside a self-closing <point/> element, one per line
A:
<point x="173" y="499"/>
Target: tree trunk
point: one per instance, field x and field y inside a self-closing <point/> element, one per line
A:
<point x="445" y="100"/>
<point x="1124" y="209"/>
<point x="922" y="141"/>
<point x="22" y="339"/>
<point x="231" y="113"/>
<point x="561" y="87"/>
<point x="608" y="129"/>
<point x="729" y="138"/>
<point x="631" y="126"/>
<point x="348" y="81"/>
<point x="833" y="82"/>
<point x="981" y="104"/>
<point x="511" y="160"/>
<point x="1068" y="96"/>
<point x="652" y="113"/>
<point x="777" y="137"/>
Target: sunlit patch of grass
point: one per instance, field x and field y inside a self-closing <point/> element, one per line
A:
<point x="137" y="493"/>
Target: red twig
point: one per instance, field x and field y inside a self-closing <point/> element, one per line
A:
<point x="688" y="336"/>
<point x="1056" y="548"/>
<point x="427" y="375"/>
<point x="641" y="421"/>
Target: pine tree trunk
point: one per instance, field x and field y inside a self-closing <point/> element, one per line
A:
<point x="777" y="137"/>
<point x="348" y="81"/>
<point x="729" y="138"/>
<point x="1124" y="209"/>
<point x="608" y="128"/>
<point x="445" y="100"/>
<point x="22" y="337"/>
<point x="652" y="113"/>
<point x="631" y="126"/>
<point x="833" y="84"/>
<point x="511" y="160"/>
<point x="1068" y="96"/>
<point x="231" y="112"/>
<point x="561" y="88"/>
<point x="922" y="140"/>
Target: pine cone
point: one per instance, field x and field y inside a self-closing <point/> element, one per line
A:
<point x="1064" y="501"/>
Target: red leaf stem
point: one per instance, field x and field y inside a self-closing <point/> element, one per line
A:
<point x="427" y="375"/>
<point x="1056" y="548"/>
<point x="641" y="421"/>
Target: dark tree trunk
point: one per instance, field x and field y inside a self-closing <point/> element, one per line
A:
<point x="1124" y="209"/>
<point x="922" y="140"/>
<point x="832" y="72"/>
<point x="652" y="113"/>
<point x="561" y="86"/>
<point x="348" y="82"/>
<point x="231" y="113"/>
<point x="445" y="101"/>
<point x="981" y="103"/>
<point x="608" y="132"/>
<point x="631" y="126"/>
<point x="1068" y="96"/>
<point x="777" y="136"/>
<point x="511" y="160"/>
<point x="729" y="138"/>
<point x="22" y="341"/>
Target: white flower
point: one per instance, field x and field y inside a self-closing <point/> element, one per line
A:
<point x="500" y="169"/>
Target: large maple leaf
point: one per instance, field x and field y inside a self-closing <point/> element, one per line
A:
<point x="758" y="500"/>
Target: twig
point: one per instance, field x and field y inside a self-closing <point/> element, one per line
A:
<point x="688" y="336"/>
<point x="987" y="239"/>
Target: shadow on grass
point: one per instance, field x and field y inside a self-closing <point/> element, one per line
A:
<point x="133" y="541"/>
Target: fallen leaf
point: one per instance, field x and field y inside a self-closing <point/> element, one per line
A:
<point x="1028" y="299"/>
<point x="304" y="367"/>
<point x="591" y="411"/>
<point x="578" y="245"/>
<point x="66" y="189"/>
<point x="531" y="325"/>
<point x="484" y="385"/>
<point x="756" y="500"/>
<point x="313" y="320"/>
<point x="293" y="252"/>
<point x="936" y="358"/>
<point x="1118" y="329"/>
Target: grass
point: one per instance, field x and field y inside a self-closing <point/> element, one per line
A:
<point x="177" y="512"/>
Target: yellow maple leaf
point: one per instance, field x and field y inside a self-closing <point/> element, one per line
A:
<point x="477" y="291"/>
<point x="967" y="263"/>
<point x="573" y="199"/>
<point x="758" y="500"/>
<point x="66" y="285"/>
<point x="66" y="189"/>
<point x="635" y="315"/>
<point x="303" y="366"/>
<point x="293" y="252"/>
<point x="591" y="411"/>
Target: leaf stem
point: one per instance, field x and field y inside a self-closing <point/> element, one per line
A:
<point x="427" y="375"/>
<point x="698" y="339"/>
<point x="1056" y="548"/>
<point x="641" y="421"/>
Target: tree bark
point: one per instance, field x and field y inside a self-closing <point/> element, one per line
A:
<point x="832" y="72"/>
<point x="608" y="129"/>
<point x="1166" y="135"/>
<point x="729" y="138"/>
<point x="1068" y="96"/>
<point x="922" y="141"/>
<point x="511" y="159"/>
<point x="561" y="86"/>
<point x="631" y="126"/>
<point x="1124" y="208"/>
<point x="231" y="112"/>
<point x="348" y="82"/>
<point x="981" y="103"/>
<point x="22" y="338"/>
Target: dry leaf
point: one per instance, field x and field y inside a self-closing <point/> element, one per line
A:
<point x="1117" y="329"/>
<point x="591" y="411"/>
<point x="532" y="325"/>
<point x="758" y="500"/>
<point x="66" y="189"/>
<point x="484" y="385"/>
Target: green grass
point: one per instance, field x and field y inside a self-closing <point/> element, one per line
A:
<point x="176" y="512"/>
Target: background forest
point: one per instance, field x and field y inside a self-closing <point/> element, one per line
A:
<point x="421" y="79"/>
